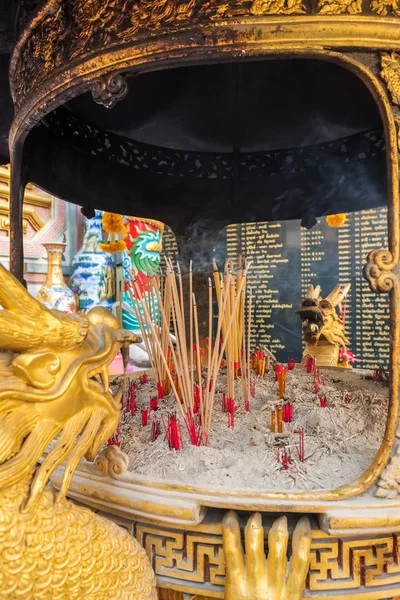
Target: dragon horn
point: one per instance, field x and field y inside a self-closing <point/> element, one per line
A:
<point x="317" y="292"/>
<point x="341" y="295"/>
<point x="331" y="298"/>
<point x="310" y="292"/>
<point x="26" y="324"/>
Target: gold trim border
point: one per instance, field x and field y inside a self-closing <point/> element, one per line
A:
<point x="254" y="37"/>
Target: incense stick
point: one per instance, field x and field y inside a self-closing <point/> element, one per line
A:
<point x="155" y="328"/>
<point x="191" y="324"/>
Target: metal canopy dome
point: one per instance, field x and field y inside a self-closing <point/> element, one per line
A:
<point x="201" y="113"/>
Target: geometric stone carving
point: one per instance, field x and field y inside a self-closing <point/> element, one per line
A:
<point x="339" y="567"/>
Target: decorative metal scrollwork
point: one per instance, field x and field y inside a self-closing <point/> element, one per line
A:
<point x="109" y="89"/>
<point x="390" y="73"/>
<point x="379" y="271"/>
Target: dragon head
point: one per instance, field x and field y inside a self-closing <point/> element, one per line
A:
<point x="319" y="317"/>
<point x="53" y="386"/>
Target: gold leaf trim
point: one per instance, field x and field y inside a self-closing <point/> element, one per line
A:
<point x="390" y="73"/>
<point x="277" y="7"/>
<point x="340" y="7"/>
<point x="384" y="7"/>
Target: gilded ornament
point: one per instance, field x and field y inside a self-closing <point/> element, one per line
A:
<point x="109" y="90"/>
<point x="378" y="272"/>
<point x="96" y="24"/>
<point x="151" y="14"/>
<point x="80" y="29"/>
<point x="385" y="7"/>
<point x="391" y="74"/>
<point x="251" y="575"/>
<point x="340" y="7"/>
<point x="55" y="406"/>
<point x="277" y="7"/>
<point x="397" y="121"/>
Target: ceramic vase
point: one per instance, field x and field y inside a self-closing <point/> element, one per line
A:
<point x="55" y="293"/>
<point x="93" y="271"/>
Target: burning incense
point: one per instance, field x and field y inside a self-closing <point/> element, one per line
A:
<point x="245" y="361"/>
<point x="199" y="380"/>
<point x="173" y="433"/>
<point x="273" y="421"/>
<point x="155" y="429"/>
<point x="174" y="361"/>
<point x="282" y="383"/>
<point x="237" y="358"/>
<point x="309" y="365"/>
<point x="279" y="418"/>
<point x="301" y="447"/>
<point x="145" y="417"/>
<point x="191" y="322"/>
<point x="217" y="358"/>
<point x="149" y="325"/>
<point x="209" y="342"/>
<point x="287" y="413"/>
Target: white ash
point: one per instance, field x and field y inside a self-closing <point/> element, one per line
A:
<point x="341" y="440"/>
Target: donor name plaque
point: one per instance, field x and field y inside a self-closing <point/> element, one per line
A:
<point x="286" y="258"/>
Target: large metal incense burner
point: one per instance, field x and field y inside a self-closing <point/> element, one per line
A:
<point x="201" y="146"/>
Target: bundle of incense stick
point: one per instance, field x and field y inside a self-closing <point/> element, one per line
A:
<point x="245" y="360"/>
<point x="230" y="295"/>
<point x="146" y="309"/>
<point x="237" y="339"/>
<point x="167" y="356"/>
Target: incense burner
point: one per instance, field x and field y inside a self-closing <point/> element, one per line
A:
<point x="72" y="48"/>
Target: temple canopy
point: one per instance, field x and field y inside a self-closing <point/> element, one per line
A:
<point x="200" y="144"/>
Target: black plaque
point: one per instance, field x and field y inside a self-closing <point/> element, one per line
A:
<point x="287" y="258"/>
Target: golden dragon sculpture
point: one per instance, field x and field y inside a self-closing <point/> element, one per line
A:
<point x="323" y="329"/>
<point x="56" y="407"/>
<point x="54" y="388"/>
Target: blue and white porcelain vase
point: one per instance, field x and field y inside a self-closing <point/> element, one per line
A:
<point x="93" y="271"/>
<point x="55" y="293"/>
